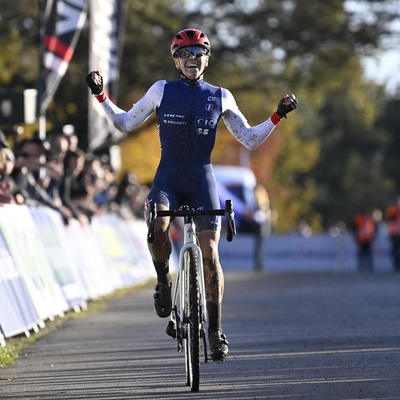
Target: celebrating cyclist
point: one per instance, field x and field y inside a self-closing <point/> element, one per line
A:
<point x="188" y="110"/>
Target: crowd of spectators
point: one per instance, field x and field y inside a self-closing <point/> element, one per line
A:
<point x="56" y="173"/>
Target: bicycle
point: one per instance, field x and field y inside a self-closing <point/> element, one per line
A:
<point x="189" y="312"/>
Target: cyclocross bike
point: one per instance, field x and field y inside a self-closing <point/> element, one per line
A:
<point x="189" y="312"/>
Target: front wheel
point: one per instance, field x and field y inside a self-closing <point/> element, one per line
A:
<point x="192" y="317"/>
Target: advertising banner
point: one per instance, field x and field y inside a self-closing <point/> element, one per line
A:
<point x="51" y="231"/>
<point x="30" y="258"/>
<point x="17" y="312"/>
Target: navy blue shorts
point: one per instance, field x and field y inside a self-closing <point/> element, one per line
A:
<point x="196" y="189"/>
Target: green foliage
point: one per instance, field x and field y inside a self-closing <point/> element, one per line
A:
<point x="18" y="42"/>
<point x="349" y="172"/>
<point x="8" y="354"/>
<point x="388" y="126"/>
<point x="337" y="153"/>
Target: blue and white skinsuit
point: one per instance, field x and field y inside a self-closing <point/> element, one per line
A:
<point x="187" y="114"/>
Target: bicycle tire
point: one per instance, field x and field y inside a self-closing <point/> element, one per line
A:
<point x="192" y="343"/>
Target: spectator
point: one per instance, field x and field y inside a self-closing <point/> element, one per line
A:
<point x="130" y="197"/>
<point x="364" y="228"/>
<point x="59" y="146"/>
<point x="29" y="169"/>
<point x="32" y="174"/>
<point x="73" y="141"/>
<point x="7" y="162"/>
<point x="94" y="181"/>
<point x="107" y="186"/>
<point x="49" y="173"/>
<point x="72" y="189"/>
<point x="393" y="221"/>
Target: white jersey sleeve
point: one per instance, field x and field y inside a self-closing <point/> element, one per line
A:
<point x="125" y="121"/>
<point x="235" y="121"/>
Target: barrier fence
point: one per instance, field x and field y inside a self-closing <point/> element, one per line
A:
<point x="295" y="253"/>
<point x="48" y="268"/>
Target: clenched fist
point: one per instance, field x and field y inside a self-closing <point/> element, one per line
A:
<point x="287" y="104"/>
<point x="95" y="82"/>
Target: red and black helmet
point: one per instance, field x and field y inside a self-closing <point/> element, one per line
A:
<point x="190" y="37"/>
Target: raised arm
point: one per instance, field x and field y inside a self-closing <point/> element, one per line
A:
<point x="252" y="137"/>
<point x="125" y="121"/>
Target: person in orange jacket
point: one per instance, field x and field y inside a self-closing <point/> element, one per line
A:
<point x="364" y="228"/>
<point x="393" y="224"/>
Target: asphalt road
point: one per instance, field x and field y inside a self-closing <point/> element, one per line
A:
<point x="304" y="336"/>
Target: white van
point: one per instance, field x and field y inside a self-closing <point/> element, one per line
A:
<point x="250" y="199"/>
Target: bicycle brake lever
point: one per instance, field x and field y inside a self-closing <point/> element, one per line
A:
<point x="230" y="216"/>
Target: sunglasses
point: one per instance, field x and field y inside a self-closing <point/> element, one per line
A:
<point x="197" y="52"/>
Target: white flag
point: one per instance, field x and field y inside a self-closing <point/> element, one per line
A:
<point x="106" y="42"/>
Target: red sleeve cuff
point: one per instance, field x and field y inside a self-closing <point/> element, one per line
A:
<point x="275" y="118"/>
<point x="100" y="97"/>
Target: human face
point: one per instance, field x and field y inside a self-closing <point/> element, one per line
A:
<point x="33" y="150"/>
<point x="192" y="62"/>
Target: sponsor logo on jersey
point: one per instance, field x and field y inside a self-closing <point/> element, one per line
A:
<point x="205" y="122"/>
<point x="174" y="119"/>
<point x="202" y="131"/>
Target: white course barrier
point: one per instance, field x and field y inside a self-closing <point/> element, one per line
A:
<point x="296" y="253"/>
<point x="47" y="268"/>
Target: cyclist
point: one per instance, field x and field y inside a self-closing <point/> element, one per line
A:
<point x="188" y="110"/>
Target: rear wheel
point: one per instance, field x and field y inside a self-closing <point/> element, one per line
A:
<point x="192" y="316"/>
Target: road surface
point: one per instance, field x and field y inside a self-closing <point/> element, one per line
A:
<point x="291" y="336"/>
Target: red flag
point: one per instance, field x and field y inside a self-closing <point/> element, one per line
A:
<point x="61" y="24"/>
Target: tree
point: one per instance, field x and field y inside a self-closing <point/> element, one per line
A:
<point x="349" y="173"/>
<point x="389" y="122"/>
<point x="329" y="159"/>
<point x="313" y="49"/>
<point x="19" y="59"/>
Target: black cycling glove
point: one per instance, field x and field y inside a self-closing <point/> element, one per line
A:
<point x="287" y="104"/>
<point x="95" y="82"/>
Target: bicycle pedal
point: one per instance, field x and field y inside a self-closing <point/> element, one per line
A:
<point x="171" y="330"/>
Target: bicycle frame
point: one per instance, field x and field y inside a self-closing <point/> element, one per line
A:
<point x="190" y="241"/>
<point x="189" y="310"/>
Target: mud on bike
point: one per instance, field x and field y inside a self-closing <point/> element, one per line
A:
<point x="189" y="312"/>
